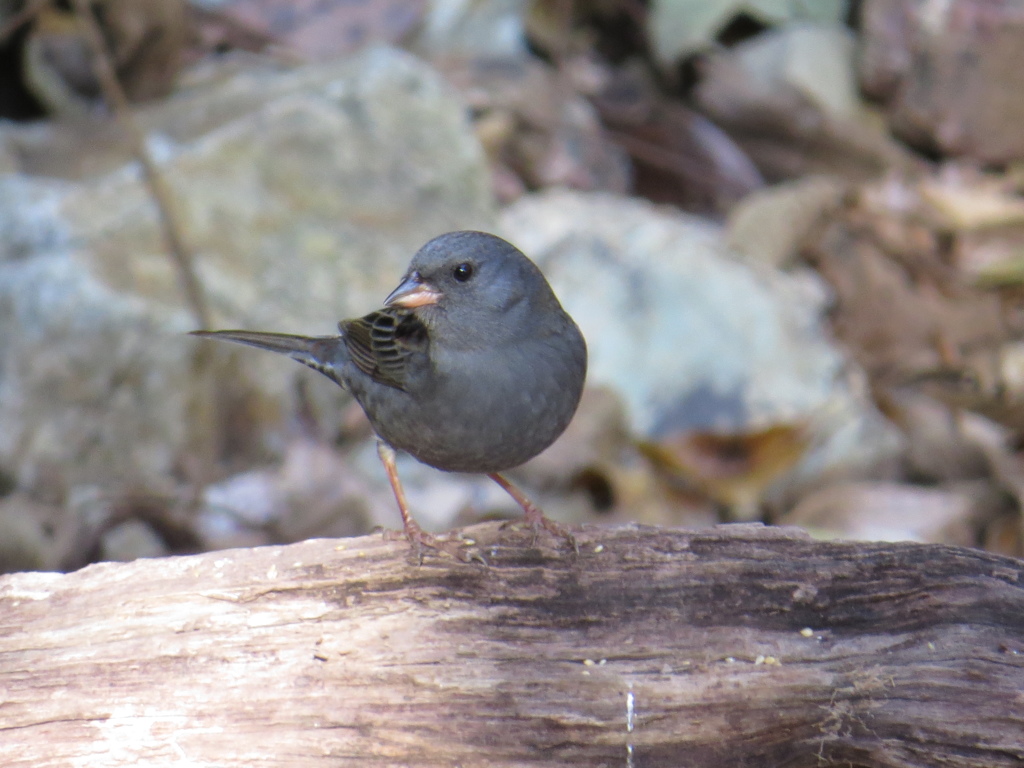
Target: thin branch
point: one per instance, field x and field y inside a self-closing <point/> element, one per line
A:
<point x="22" y="17"/>
<point x="180" y="253"/>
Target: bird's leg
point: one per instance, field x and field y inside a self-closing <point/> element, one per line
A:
<point x="535" y="517"/>
<point x="416" y="535"/>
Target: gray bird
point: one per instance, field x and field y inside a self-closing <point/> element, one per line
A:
<point x="471" y="366"/>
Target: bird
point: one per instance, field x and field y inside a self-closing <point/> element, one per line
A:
<point x="471" y="365"/>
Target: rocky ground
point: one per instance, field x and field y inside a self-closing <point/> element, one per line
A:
<point x="791" y="237"/>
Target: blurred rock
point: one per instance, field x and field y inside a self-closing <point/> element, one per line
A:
<point x="303" y="192"/>
<point x="893" y="512"/>
<point x="24" y="542"/>
<point x="689" y="336"/>
<point x="131" y="540"/>
<point x="692" y="338"/>
<point x="788" y="99"/>
<point x="536" y="126"/>
<point x="314" y="492"/>
<point x="118" y="523"/>
<point x="949" y="74"/>
<point x="816" y="60"/>
<point x="145" y="40"/>
<point x="455" y="27"/>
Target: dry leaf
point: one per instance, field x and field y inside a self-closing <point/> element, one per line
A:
<point x="734" y="470"/>
<point x="970" y="202"/>
<point x="770" y="225"/>
<point x="937" y="450"/>
<point x="679" y="155"/>
<point x="988" y="381"/>
<point x="900" y="307"/>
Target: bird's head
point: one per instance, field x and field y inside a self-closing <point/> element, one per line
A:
<point x="474" y="289"/>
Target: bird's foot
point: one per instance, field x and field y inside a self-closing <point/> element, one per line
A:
<point x="538" y="521"/>
<point x="534" y="515"/>
<point x="462" y="550"/>
<point x="420" y="539"/>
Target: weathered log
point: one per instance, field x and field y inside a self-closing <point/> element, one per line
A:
<point x="738" y="646"/>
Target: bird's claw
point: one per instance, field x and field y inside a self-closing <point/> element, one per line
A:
<point x="536" y="522"/>
<point x="421" y="541"/>
<point x="558" y="531"/>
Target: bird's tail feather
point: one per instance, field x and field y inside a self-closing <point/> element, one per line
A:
<point x="325" y="354"/>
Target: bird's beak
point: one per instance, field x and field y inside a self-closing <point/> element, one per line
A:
<point x="413" y="292"/>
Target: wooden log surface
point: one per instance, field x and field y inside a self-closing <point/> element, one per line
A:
<point x="736" y="646"/>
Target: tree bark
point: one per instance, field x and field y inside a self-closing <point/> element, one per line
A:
<point x="738" y="646"/>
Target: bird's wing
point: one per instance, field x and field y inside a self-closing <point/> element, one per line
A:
<point x="382" y="343"/>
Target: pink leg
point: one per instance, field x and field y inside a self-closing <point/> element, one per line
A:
<point x="416" y="535"/>
<point x="534" y="515"/>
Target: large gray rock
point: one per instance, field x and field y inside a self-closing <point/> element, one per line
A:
<point x="303" y="192"/>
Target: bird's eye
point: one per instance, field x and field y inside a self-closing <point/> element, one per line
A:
<point x="463" y="272"/>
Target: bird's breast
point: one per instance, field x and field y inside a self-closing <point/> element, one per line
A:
<point x="481" y="411"/>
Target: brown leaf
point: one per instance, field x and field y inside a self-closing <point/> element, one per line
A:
<point x="900" y="307"/>
<point x="989" y="381"/>
<point x="679" y="156"/>
<point x="733" y="469"/>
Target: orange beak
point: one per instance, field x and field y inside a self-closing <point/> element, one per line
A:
<point x="413" y="292"/>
